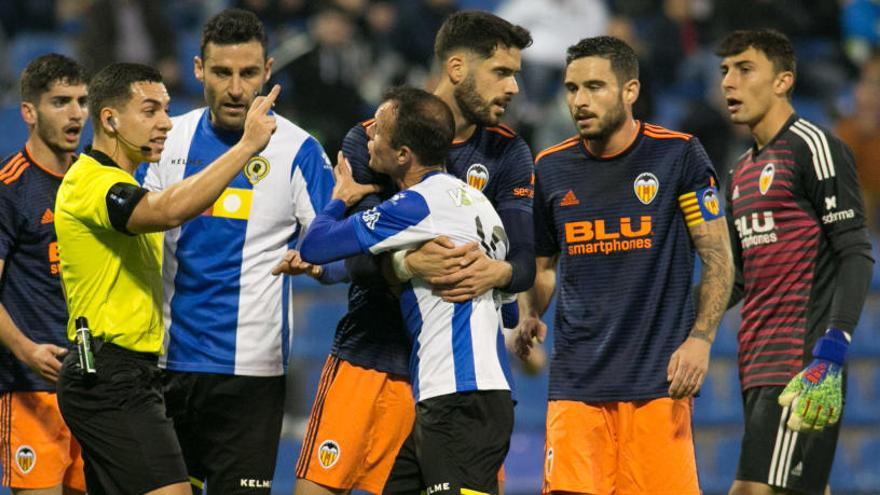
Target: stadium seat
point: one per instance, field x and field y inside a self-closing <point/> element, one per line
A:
<point x="523" y="468"/>
<point x="866" y="338"/>
<point x="531" y="395"/>
<point x="27" y="46"/>
<point x="14" y="130"/>
<point x="314" y="325"/>
<point x="725" y="339"/>
<point x="857" y="462"/>
<point x="868" y="477"/>
<point x="188" y="46"/>
<point x="863" y="392"/>
<point x="717" y="452"/>
<point x="719" y="400"/>
<point x="875" y="249"/>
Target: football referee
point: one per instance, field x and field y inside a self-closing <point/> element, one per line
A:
<point x="108" y="237"/>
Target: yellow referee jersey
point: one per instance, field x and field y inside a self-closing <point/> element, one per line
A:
<point x="112" y="278"/>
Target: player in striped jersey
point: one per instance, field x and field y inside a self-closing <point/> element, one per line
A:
<point x="38" y="455"/>
<point x="804" y="265"/>
<point x="229" y="322"/>
<point x="480" y="56"/>
<point x="458" y="364"/>
<point x="622" y="207"/>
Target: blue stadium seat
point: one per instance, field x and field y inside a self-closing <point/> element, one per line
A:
<point x="27" y="46"/>
<point x="531" y="395"/>
<point x="866" y="338"/>
<point x="812" y="110"/>
<point x="719" y="401"/>
<point x="725" y="339"/>
<point x="314" y="325"/>
<point x="717" y="457"/>
<point x="868" y="477"/>
<point x="14" y="130"/>
<point x="857" y="461"/>
<point x="863" y="392"/>
<point x="524" y="466"/>
<point x="875" y="249"/>
<point x="188" y="46"/>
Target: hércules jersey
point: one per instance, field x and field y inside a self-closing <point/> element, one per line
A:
<point x="791" y="202"/>
<point x="224" y="311"/>
<point x="496" y="161"/>
<point x="30" y="289"/>
<point x="620" y="227"/>
<point x="456" y="347"/>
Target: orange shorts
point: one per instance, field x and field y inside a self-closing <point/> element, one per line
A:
<point x="36" y="448"/>
<point x="359" y="420"/>
<point x="620" y="447"/>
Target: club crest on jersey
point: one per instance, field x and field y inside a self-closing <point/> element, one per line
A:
<point x="645" y="187"/>
<point x="256" y="169"/>
<point x="328" y="453"/>
<point x="25" y="458"/>
<point x="370" y="217"/>
<point x="710" y="202"/>
<point x="478" y="176"/>
<point x="766" y="178"/>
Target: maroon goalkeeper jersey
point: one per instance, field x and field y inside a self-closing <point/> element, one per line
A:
<point x="792" y="204"/>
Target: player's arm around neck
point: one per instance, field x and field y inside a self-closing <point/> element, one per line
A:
<point x="42" y="358"/>
<point x="532" y="305"/>
<point x="159" y="211"/>
<point x="689" y="363"/>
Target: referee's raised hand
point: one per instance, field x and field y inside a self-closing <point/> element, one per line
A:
<point x="259" y="125"/>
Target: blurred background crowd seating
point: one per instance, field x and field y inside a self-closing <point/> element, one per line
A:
<point x="335" y="57"/>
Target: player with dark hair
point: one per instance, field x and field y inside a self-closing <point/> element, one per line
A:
<point x="804" y="264"/>
<point x="364" y="408"/>
<point x="229" y="322"/>
<point x="458" y="366"/>
<point x="109" y="389"/>
<point x="621" y="208"/>
<point x="37" y="453"/>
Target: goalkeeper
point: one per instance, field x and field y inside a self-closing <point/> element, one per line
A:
<point x="803" y="267"/>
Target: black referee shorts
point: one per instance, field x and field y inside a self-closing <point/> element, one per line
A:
<point x="118" y="417"/>
<point x="459" y="442"/>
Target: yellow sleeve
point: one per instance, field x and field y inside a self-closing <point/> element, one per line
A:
<point x="88" y="201"/>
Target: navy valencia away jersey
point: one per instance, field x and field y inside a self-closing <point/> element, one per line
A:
<point x="30" y="289"/>
<point x="619" y="225"/>
<point x="495" y="161"/>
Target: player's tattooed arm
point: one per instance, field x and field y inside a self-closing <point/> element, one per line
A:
<point x="712" y="241"/>
<point x="690" y="362"/>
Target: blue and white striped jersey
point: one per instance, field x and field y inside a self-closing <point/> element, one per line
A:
<point x="457" y="347"/>
<point x="224" y="311"/>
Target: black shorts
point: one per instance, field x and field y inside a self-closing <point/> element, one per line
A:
<point x="228" y="426"/>
<point x="118" y="417"/>
<point x="459" y="441"/>
<point x="774" y="455"/>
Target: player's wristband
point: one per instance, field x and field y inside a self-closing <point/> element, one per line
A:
<point x="398" y="263"/>
<point x="832" y="346"/>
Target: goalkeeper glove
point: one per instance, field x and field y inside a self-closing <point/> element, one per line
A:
<point x="816" y="393"/>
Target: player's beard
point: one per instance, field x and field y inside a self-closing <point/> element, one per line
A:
<point x="609" y="123"/>
<point x="54" y="137"/>
<point x="473" y="107"/>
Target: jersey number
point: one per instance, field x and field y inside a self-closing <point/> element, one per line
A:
<point x="492" y="242"/>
